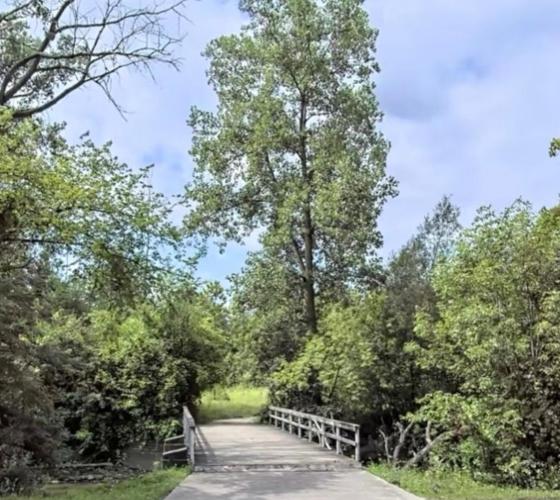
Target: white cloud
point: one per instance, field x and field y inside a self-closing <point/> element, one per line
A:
<point x="470" y="95"/>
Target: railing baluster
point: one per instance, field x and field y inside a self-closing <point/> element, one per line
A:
<point x="290" y="426"/>
<point x="189" y="434"/>
<point x="338" y="450"/>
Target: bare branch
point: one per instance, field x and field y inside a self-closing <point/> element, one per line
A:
<point x="9" y="15"/>
<point x="386" y="440"/>
<point x="80" y="46"/>
<point x="430" y="443"/>
<point x="47" y="39"/>
<point x="417" y="455"/>
<point x="403" y="432"/>
<point x="172" y="8"/>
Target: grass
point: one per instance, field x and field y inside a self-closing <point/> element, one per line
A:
<point x="454" y="486"/>
<point x="231" y="402"/>
<point x="151" y="486"/>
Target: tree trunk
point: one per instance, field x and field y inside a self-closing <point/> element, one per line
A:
<point x="308" y="243"/>
<point x="309" y="281"/>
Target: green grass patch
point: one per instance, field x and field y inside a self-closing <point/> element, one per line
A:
<point x="151" y="486"/>
<point x="231" y="402"/>
<point x="437" y="485"/>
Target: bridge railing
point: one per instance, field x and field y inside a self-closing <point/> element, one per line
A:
<point x="189" y="433"/>
<point x="328" y="431"/>
<point x="178" y="449"/>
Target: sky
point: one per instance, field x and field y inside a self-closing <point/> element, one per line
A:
<point x="470" y="93"/>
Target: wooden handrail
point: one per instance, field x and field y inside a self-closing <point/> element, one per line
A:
<point x="189" y="433"/>
<point x="177" y="447"/>
<point x="323" y="428"/>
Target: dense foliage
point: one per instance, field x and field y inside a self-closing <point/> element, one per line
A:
<point x="465" y="339"/>
<point x="104" y="334"/>
<point x="358" y="365"/>
<point x="127" y="374"/>
<point x="102" y="340"/>
<point x="496" y="342"/>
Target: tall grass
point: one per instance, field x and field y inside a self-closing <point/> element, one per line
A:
<point x="231" y="402"/>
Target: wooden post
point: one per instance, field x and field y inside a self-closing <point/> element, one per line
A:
<point x="338" y="450"/>
<point x="299" y="426"/>
<point x="191" y="446"/>
<point x="357" y="444"/>
<point x="189" y="429"/>
<point x="309" y="430"/>
<point x="290" y="426"/>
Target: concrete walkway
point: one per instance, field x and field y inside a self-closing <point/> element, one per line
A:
<point x="242" y="460"/>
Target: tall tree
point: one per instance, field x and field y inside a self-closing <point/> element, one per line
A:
<point x="293" y="148"/>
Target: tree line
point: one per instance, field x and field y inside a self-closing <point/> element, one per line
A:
<point x="446" y="353"/>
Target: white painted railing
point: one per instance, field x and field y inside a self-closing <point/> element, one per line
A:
<point x="189" y="433"/>
<point x="181" y="448"/>
<point x="327" y="431"/>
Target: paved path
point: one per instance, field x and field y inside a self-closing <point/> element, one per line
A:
<point x="242" y="460"/>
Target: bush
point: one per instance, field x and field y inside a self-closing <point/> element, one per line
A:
<point x="125" y="376"/>
<point x="496" y="339"/>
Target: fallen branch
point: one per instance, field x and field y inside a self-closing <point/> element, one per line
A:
<point x="401" y="437"/>
<point x="403" y="432"/>
<point x="430" y="443"/>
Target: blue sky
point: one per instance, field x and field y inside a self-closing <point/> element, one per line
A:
<point x="470" y="91"/>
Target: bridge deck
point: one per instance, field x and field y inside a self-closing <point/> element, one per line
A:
<point x="245" y="444"/>
<point x="241" y="460"/>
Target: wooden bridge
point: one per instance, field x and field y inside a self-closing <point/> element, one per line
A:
<point x="297" y="456"/>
